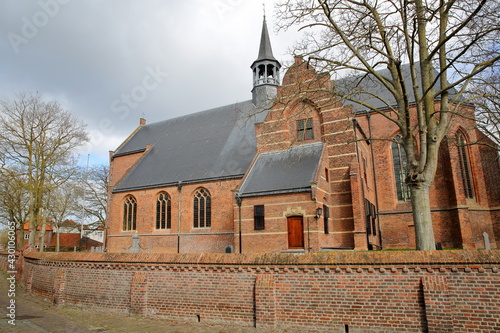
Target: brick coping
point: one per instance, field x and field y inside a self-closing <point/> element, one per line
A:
<point x="330" y="258"/>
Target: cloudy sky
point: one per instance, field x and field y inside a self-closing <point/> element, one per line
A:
<point x="111" y="62"/>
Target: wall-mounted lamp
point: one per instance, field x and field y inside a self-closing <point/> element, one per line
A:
<point x="319" y="211"/>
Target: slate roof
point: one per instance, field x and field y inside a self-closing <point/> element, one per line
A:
<point x="359" y="85"/>
<point x="220" y="144"/>
<point x="214" y="144"/>
<point x="284" y="171"/>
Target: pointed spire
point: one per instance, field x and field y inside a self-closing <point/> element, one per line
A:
<point x="265" y="50"/>
<point x="265" y="71"/>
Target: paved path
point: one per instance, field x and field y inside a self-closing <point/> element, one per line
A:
<point x="31" y="314"/>
<point x="34" y="315"/>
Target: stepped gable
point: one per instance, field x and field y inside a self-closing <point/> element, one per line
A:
<point x="208" y="145"/>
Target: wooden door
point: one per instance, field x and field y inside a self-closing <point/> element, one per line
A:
<point x="295" y="232"/>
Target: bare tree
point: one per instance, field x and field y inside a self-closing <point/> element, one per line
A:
<point x="96" y="182"/>
<point x="14" y="201"/>
<point x="485" y="92"/>
<point x="446" y="44"/>
<point x="4" y="238"/>
<point x="62" y="205"/>
<point x="38" y="138"/>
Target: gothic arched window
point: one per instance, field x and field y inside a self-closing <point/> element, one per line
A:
<point x="463" y="158"/>
<point x="202" y="209"/>
<point x="399" y="159"/>
<point x="129" y="213"/>
<point x="163" y="211"/>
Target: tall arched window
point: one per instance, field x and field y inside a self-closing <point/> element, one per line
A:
<point x="202" y="209"/>
<point x="129" y="213"/>
<point x="163" y="211"/>
<point x="463" y="158"/>
<point x="399" y="159"/>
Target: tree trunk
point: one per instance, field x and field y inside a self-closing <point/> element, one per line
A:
<point x="422" y="219"/>
<point x="57" y="240"/>
<point x="32" y="239"/>
<point x="20" y="243"/>
<point x="42" y="237"/>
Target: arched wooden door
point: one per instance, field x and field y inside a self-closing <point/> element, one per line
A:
<point x="295" y="232"/>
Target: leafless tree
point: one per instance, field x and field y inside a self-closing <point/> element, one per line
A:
<point x="62" y="205"/>
<point x="96" y="182"/>
<point x="485" y="92"/>
<point x="38" y="137"/>
<point x="14" y="201"/>
<point x="446" y="44"/>
<point x="4" y="238"/>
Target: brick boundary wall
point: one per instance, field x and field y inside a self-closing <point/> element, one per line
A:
<point x="407" y="291"/>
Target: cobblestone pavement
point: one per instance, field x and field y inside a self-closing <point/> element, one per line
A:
<point x="34" y="314"/>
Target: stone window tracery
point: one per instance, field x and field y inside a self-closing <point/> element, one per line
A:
<point x="202" y="209"/>
<point x="463" y="158"/>
<point x="163" y="211"/>
<point x="399" y="160"/>
<point x="129" y="213"/>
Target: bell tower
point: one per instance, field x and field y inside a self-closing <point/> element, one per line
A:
<point x="265" y="71"/>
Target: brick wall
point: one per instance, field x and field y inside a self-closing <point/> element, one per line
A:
<point x="304" y="94"/>
<point x="213" y="239"/>
<point x="459" y="222"/>
<point x="274" y="237"/>
<point x="431" y="291"/>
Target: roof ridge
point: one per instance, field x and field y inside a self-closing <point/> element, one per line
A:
<point x="197" y="113"/>
<point x="280" y="151"/>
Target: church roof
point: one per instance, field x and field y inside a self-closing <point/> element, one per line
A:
<point x="284" y="171"/>
<point x="368" y="89"/>
<point x="209" y="145"/>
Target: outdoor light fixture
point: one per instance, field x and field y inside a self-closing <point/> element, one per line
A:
<point x="319" y="210"/>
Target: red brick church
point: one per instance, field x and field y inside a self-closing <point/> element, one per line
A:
<point x="296" y="174"/>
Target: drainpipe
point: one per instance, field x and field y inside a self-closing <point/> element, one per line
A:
<point x="355" y="122"/>
<point x="308" y="234"/>
<point x="238" y="201"/>
<point x="179" y="188"/>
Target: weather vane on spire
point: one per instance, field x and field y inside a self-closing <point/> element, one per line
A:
<point x="264" y="9"/>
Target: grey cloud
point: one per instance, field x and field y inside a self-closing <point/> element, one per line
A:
<point x="89" y="53"/>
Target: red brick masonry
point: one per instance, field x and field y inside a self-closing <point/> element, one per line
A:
<point x="432" y="291"/>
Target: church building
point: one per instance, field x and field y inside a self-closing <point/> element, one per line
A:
<point x="291" y="170"/>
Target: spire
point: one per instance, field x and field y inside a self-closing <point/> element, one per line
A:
<point x="265" y="49"/>
<point x="265" y="70"/>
